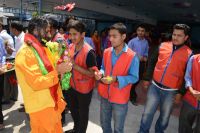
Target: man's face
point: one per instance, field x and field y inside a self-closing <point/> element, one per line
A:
<point x="75" y="36"/>
<point x="52" y="30"/>
<point x="45" y="33"/>
<point x="116" y="38"/>
<point x="61" y="31"/>
<point x="140" y="32"/>
<point x="179" y="37"/>
<point x="13" y="31"/>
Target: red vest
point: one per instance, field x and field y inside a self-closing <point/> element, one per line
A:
<point x="82" y="83"/>
<point x="170" y="67"/>
<point x="121" y="68"/>
<point x="195" y="76"/>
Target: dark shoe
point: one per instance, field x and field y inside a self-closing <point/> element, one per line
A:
<point x="70" y="131"/>
<point x="134" y="102"/>
<point x="67" y="111"/>
<point x="63" y="121"/>
<point x="13" y="99"/>
<point x="21" y="109"/>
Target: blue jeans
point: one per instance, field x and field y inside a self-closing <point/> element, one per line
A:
<point x="157" y="97"/>
<point x="119" y="112"/>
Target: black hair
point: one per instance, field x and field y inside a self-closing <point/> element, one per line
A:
<point x="53" y="23"/>
<point x="2" y="25"/>
<point x="63" y="27"/>
<point x="16" y="25"/>
<point x="143" y="26"/>
<point x="120" y="27"/>
<point x="183" y="27"/>
<point x="77" y="25"/>
<point x="38" y="23"/>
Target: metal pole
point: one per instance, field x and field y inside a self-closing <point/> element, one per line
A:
<point x="21" y="8"/>
<point x="39" y="7"/>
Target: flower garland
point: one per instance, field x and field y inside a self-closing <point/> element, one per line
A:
<point x="61" y="54"/>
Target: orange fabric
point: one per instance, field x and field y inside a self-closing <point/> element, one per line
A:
<point x="173" y="69"/>
<point x="46" y="121"/>
<point x="112" y="92"/>
<point x="34" y="85"/>
<point x="82" y="83"/>
<point x="195" y="75"/>
<point x="97" y="42"/>
<point x="32" y="41"/>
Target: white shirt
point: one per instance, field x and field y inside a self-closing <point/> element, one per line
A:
<point x="7" y="37"/>
<point x="19" y="40"/>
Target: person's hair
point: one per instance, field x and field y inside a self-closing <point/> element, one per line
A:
<point x="16" y="25"/>
<point x="67" y="21"/>
<point x="1" y="24"/>
<point x="183" y="27"/>
<point x="119" y="27"/>
<point x="143" y="26"/>
<point x="37" y="23"/>
<point x="77" y="25"/>
<point x="63" y="27"/>
<point x="53" y="23"/>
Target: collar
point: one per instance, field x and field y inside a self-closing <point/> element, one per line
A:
<point x="3" y="31"/>
<point x="20" y="35"/>
<point x="125" y="48"/>
<point x="176" y="47"/>
<point x="140" y="39"/>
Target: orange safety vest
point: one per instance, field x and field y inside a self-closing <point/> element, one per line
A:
<point x="170" y="67"/>
<point x="195" y="76"/>
<point x="121" y="68"/>
<point x="82" y="83"/>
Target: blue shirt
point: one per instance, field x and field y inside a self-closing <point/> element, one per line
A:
<point x="89" y="41"/>
<point x="2" y="50"/>
<point x="188" y="78"/>
<point x="132" y="76"/>
<point x="140" y="46"/>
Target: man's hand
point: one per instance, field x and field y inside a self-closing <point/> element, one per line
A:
<point x="145" y="59"/>
<point x="64" y="67"/>
<point x="98" y="75"/>
<point x="108" y="80"/>
<point x="140" y="57"/>
<point x="74" y="65"/>
<point x="9" y="50"/>
<point x="195" y="93"/>
<point x="145" y="84"/>
<point x="178" y="98"/>
<point x="1" y="70"/>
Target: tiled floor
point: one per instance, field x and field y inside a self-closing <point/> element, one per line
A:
<point x="16" y="122"/>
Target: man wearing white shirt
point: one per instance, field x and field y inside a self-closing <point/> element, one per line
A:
<point x="7" y="39"/>
<point x="11" y="90"/>
<point x="17" y="29"/>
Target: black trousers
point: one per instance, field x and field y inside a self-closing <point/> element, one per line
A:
<point x="133" y="94"/>
<point x="79" y="107"/>
<point x="10" y="90"/>
<point x="189" y="119"/>
<point x="1" y="95"/>
<point x="66" y="97"/>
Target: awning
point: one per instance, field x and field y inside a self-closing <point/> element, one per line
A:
<point x="4" y="14"/>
